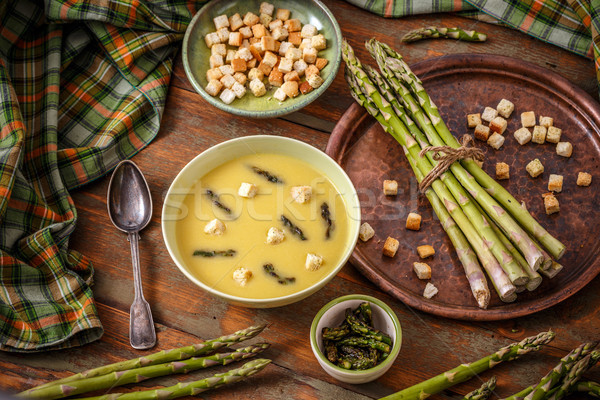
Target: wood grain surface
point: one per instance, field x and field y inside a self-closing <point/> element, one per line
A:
<point x="185" y="314"/>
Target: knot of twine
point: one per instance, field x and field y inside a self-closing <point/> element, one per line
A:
<point x="446" y="156"/>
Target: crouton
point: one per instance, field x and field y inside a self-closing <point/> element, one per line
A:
<point x="264" y="68"/>
<point x="305" y="87"/>
<point x="293" y="53"/>
<point x="498" y="124"/>
<point x="390" y="187"/>
<point x="318" y="42"/>
<point x="422" y="270"/>
<point x="276" y="23"/>
<point x="413" y="222"/>
<point x="584" y="179"/>
<point x="284" y="47"/>
<point x="280" y="34"/>
<point x="311" y="70"/>
<point x="235" y="39"/>
<point x="247" y="190"/>
<point x="315" y="81"/>
<point x="211" y="39"/>
<point x="425" y="251"/>
<point x="228" y="81"/>
<point x="546" y="122"/>
<point x="215" y="227"/>
<point x="555" y="183"/>
<point x="502" y="170"/>
<point x="293" y="25"/>
<point x="308" y="31"/>
<point x="265" y="19"/>
<point x="301" y="194"/>
<point x="496" y="140"/>
<point x="309" y="55"/>
<point x="219" y="49"/>
<point x="269" y="59"/>
<point x="390" y="247"/>
<point x="268" y="43"/>
<point x="539" y="134"/>
<point x="321" y="63"/>
<point x="259" y="30"/>
<point x="523" y="136"/>
<point x="286" y="65"/>
<point x="238" y="65"/>
<point x="275" y="236"/>
<point x="242" y="276"/>
<point x="227" y="96"/>
<point x="276" y="77"/>
<point x="300" y="67"/>
<point x="553" y="134"/>
<point x="235" y="22"/>
<point x="223" y="34"/>
<point x="266" y="8"/>
<point x="291" y="76"/>
<point x="255" y="73"/>
<point x="282" y="14"/>
<point x="213" y="73"/>
<point x="221" y="21"/>
<point x="564" y="149"/>
<point x="214" y="87"/>
<point x="528" y="119"/>
<point x="295" y="38"/>
<point x="365" y="232"/>
<point x="251" y="19"/>
<point x="505" y="108"/>
<point x="290" y="88"/>
<point x="231" y="54"/>
<point x="482" y="132"/>
<point x="489" y="114"/>
<point x="473" y="120"/>
<point x="238" y="89"/>
<point x="430" y="290"/>
<point x="215" y="61"/>
<point x="535" y="168"/>
<point x="313" y="262"/>
<point x="258" y="87"/>
<point x="551" y="204"/>
<point x="246" y="32"/>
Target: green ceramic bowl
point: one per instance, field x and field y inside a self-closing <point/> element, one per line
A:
<point x="196" y="54"/>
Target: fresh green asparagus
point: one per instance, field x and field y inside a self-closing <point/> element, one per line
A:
<point x="466" y="371"/>
<point x="484" y="392"/>
<point x="590" y="388"/>
<point x="161" y="357"/>
<point x="363" y="329"/>
<point x="433" y="32"/>
<point x="191" y="388"/>
<point x="569" y="383"/>
<point x="137" y="375"/>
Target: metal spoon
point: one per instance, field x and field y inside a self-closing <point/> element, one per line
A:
<point x="130" y="210"/>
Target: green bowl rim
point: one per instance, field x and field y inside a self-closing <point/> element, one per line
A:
<point x="262" y="302"/>
<point x="397" y="327"/>
<point x="215" y="101"/>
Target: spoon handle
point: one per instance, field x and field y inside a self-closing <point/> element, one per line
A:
<point x="141" y="325"/>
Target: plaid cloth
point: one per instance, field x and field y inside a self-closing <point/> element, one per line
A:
<point x="82" y="86"/>
<point x="565" y="23"/>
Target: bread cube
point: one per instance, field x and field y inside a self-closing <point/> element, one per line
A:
<point x="269" y="59"/>
<point x="238" y="89"/>
<point x="305" y="87"/>
<point x="555" y="183"/>
<point x="308" y="31"/>
<point x="276" y="77"/>
<point x="496" y="140"/>
<point x="223" y="34"/>
<point x="315" y="81"/>
<point x="293" y="25"/>
<point x="291" y="76"/>
<point x="226" y="70"/>
<point x="295" y="38"/>
<point x="258" y="87"/>
<point x="482" y="132"/>
<point x="276" y="23"/>
<point x="584" y="179"/>
<point x="425" y="251"/>
<point x="553" y="134"/>
<point x="267" y="43"/>
<point x="247" y="190"/>
<point x="413" y="222"/>
<point x="422" y="270"/>
<point x="221" y="21"/>
<point x="235" y="22"/>
<point x="265" y="19"/>
<point x="430" y="290"/>
<point x="390" y="187"/>
<point x="311" y="70"/>
<point x="275" y="236"/>
<point x="564" y="149"/>
<point x="251" y="64"/>
<point x="266" y="8"/>
<point x="539" y="134"/>
<point x="301" y="194"/>
<point x="227" y="96"/>
<point x="498" y="124"/>
<point x="551" y="204"/>
<point x="259" y="30"/>
<point x="213" y="73"/>
<point x="546" y="122"/>
<point x="216" y="60"/>
<point x="214" y="87"/>
<point x="473" y="120"/>
<point x="489" y="114"/>
<point x="216" y="227"/>
<point x="235" y="39"/>
<point x="321" y="63"/>
<point x="505" y="108"/>
<point x="286" y="65"/>
<point x="535" y="168"/>
<point x="211" y="39"/>
<point x="264" y="68"/>
<point x="280" y="34"/>
<point x="219" y="49"/>
<point x="228" y="81"/>
<point x="293" y="53"/>
<point x="230" y="56"/>
<point x="290" y="88"/>
<point x="244" y="54"/>
<point x="528" y="119"/>
<point x="242" y="275"/>
<point x="280" y="95"/>
<point x="284" y="47"/>
<point x="390" y="247"/>
<point x="240" y="77"/>
<point x="238" y="65"/>
<point x="313" y="262"/>
<point x="251" y="19"/>
<point x="282" y="14"/>
<point x="365" y="232"/>
<point x="523" y="136"/>
<point x="318" y="42"/>
<point x="246" y="32"/>
<point x="255" y="73"/>
<point x="309" y="55"/>
<point x="300" y="67"/>
<point x="502" y="170"/>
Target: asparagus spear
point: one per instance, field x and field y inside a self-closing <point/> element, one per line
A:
<point x="570" y="382"/>
<point x="466" y="371"/>
<point x="136" y="375"/>
<point x="191" y="388"/>
<point x="589" y="387"/>
<point x="554" y="269"/>
<point x="514" y="271"/>
<point x="164" y="356"/>
<point x="376" y="105"/>
<point x="484" y="392"/>
<point x="553" y="245"/>
<point x="430" y="123"/>
<point x="365" y="342"/>
<point x="364" y="329"/>
<point x="432" y="32"/>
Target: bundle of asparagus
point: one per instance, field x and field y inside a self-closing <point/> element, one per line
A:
<point x="176" y="361"/>
<point x="484" y="222"/>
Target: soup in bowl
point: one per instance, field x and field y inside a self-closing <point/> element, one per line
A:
<point x="261" y="221"/>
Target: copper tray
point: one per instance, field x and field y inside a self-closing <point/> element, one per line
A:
<point x="460" y="85"/>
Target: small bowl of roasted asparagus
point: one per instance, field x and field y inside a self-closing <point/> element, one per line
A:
<point x="356" y="338"/>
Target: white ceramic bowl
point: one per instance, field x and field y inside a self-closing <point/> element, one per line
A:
<point x="332" y="315"/>
<point x="235" y="148"/>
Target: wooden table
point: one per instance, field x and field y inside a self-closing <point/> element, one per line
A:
<point x="183" y="313"/>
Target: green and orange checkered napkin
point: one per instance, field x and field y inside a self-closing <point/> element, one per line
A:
<point x="570" y="24"/>
<point x="82" y="86"/>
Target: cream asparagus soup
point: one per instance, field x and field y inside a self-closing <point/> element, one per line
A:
<point x="262" y="226"/>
